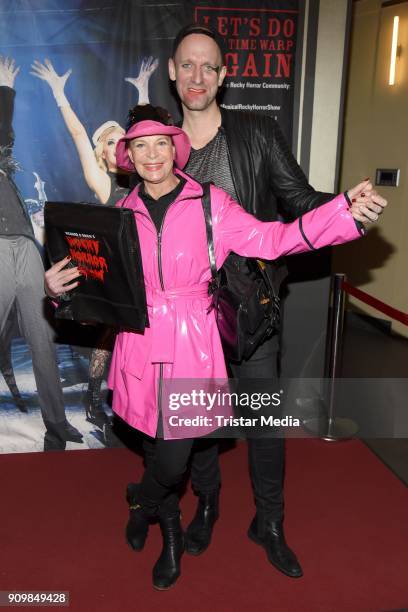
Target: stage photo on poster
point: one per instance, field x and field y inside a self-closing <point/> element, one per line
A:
<point x="78" y="69"/>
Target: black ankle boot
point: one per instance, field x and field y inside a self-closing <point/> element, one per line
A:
<point x="199" y="532"/>
<point x="269" y="534"/>
<point x="167" y="569"/>
<point x="53" y="442"/>
<point x="140" y="517"/>
<point x="58" y="434"/>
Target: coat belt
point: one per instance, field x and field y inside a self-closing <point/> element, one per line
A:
<point x="162" y="310"/>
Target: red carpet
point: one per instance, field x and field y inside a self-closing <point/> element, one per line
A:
<point x="62" y="519"/>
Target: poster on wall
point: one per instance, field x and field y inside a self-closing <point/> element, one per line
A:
<point x="77" y="68"/>
<point x="260" y="45"/>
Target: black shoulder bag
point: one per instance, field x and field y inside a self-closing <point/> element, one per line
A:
<point x="246" y="306"/>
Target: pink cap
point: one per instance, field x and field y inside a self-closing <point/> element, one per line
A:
<point x="153" y="128"/>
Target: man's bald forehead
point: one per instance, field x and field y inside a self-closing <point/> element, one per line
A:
<point x="191" y="30"/>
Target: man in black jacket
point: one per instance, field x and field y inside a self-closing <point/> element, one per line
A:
<point x="22" y="278"/>
<point x="245" y="154"/>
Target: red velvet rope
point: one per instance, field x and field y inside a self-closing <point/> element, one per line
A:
<point x="391" y="312"/>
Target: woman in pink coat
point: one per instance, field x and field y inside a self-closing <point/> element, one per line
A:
<point x="182" y="341"/>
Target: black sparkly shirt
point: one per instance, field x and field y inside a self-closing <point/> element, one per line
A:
<point x="211" y="163"/>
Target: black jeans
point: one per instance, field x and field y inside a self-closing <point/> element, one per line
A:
<point x="166" y="462"/>
<point x="266" y="455"/>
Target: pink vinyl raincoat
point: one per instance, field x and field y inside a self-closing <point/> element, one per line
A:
<point x="182" y="341"/>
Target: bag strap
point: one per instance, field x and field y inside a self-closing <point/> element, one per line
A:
<point x="206" y="204"/>
<point x="256" y="264"/>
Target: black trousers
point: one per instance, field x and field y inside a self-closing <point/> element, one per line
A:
<point x="166" y="462"/>
<point x="266" y="455"/>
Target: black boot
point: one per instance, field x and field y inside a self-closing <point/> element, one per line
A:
<point x="140" y="517"/>
<point x="94" y="411"/>
<point x="70" y="433"/>
<point x="58" y="434"/>
<point x="167" y="569"/>
<point x="96" y="414"/>
<point x="53" y="442"/>
<point x="269" y="534"/>
<point x="199" y="531"/>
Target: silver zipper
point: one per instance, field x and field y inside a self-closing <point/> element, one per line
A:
<point x="159" y="263"/>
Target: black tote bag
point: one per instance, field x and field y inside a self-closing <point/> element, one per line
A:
<point x="104" y="244"/>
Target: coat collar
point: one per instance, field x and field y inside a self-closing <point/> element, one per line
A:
<point x="191" y="190"/>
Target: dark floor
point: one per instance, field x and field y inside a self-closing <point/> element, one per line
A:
<point x="370" y="350"/>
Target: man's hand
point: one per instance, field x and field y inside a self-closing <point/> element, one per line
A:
<point x="8" y="71"/>
<point x="59" y="280"/>
<point x="366" y="204"/>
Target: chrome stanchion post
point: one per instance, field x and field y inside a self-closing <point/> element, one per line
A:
<point x="329" y="427"/>
<point x="337" y="427"/>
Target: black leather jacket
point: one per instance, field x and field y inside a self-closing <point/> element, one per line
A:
<point x="9" y="193"/>
<point x="266" y="176"/>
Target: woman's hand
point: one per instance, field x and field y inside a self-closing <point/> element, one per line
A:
<point x="141" y="82"/>
<point x="366" y="204"/>
<point x="96" y="178"/>
<point x="59" y="280"/>
<point x="46" y="72"/>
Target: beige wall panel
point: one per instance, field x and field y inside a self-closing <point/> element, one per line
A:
<point x="376" y="136"/>
<point x="327" y="93"/>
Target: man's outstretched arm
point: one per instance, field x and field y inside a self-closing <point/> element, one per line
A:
<point x="296" y="196"/>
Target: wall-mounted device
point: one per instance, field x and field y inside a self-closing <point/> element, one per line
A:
<point x="387" y="177"/>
